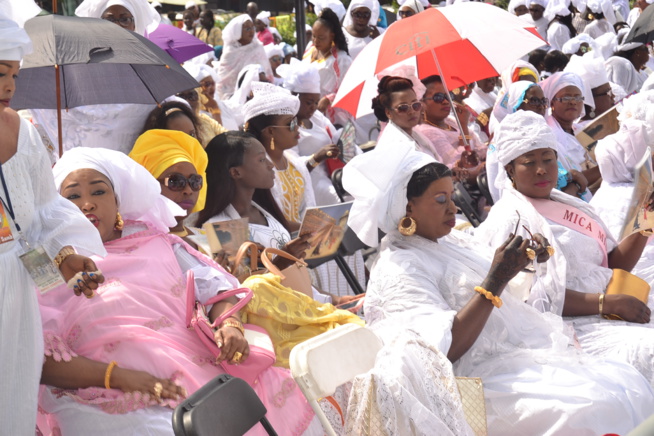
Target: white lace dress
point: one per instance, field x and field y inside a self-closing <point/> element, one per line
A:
<point x="534" y="381"/>
<point x="45" y="219"/>
<point x="578" y="258"/>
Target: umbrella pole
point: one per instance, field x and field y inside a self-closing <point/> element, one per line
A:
<point x="58" y="91"/>
<point x="449" y="98"/>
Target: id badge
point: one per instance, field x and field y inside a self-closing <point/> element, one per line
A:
<point x="42" y="269"/>
<point x="6" y="235"/>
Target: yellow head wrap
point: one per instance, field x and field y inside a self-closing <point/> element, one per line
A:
<point x="524" y="71"/>
<point x="157" y="150"/>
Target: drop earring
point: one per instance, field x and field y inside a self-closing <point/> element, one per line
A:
<point x="272" y="143"/>
<point x="118" y="225"/>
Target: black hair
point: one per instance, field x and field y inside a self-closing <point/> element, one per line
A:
<point x="159" y="117"/>
<point x="256" y="125"/>
<point x="422" y="178"/>
<point x="555" y="60"/>
<point x="627" y="54"/>
<point x="537" y="58"/>
<point x="226" y="151"/>
<point x="387" y="86"/>
<point x="208" y="12"/>
<point x="432" y="79"/>
<point x="330" y="19"/>
<point x="567" y="22"/>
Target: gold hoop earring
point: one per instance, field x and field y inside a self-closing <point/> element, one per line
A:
<point x="407" y="230"/>
<point x="118" y="225"/>
<point x="513" y="184"/>
<point x="272" y="143"/>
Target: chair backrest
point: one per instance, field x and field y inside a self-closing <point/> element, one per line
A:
<point x="482" y="183"/>
<point x="464" y="201"/>
<point x="226" y="406"/>
<point x="321" y="364"/>
<point x="337" y="182"/>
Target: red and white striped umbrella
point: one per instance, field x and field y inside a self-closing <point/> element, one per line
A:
<point x="471" y="41"/>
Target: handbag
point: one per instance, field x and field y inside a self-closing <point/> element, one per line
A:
<point x="262" y="352"/>
<point x="295" y="276"/>
<point x="471" y="390"/>
<point x="623" y="282"/>
<point x="242" y="271"/>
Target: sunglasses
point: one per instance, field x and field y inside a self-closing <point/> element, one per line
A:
<point x="609" y="92"/>
<point x="362" y="15"/>
<point x="207" y="84"/>
<point x="292" y="126"/>
<point x="535" y="101"/>
<point x="276" y="59"/>
<point x="177" y="182"/>
<point x="569" y="99"/>
<point x="123" y="21"/>
<point x="405" y="14"/>
<point x="584" y="49"/>
<point x="404" y="108"/>
<point x="440" y="97"/>
<point x="189" y="96"/>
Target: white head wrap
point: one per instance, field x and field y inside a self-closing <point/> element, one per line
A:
<point x="249" y="74"/>
<point x="234" y="29"/>
<point x="190" y="4"/>
<point x="607" y="44"/>
<point x="519" y="133"/>
<point x="515" y="3"/>
<point x="622" y="37"/>
<point x="14" y="42"/>
<point x="146" y="18"/>
<point x="274" y="50"/>
<point x="572" y="45"/>
<point x="137" y="192"/>
<point x="622" y="72"/>
<point x="335" y="5"/>
<point x="542" y="3"/>
<point x="378" y="181"/>
<point x="416" y="6"/>
<point x="275" y="32"/>
<point x="269" y="99"/>
<point x="557" y="7"/>
<point x="507" y="74"/>
<point x="300" y="77"/>
<point x="373" y="5"/>
<point x="592" y="73"/>
<point x="602" y="7"/>
<point x="424" y="3"/>
<point x="198" y="72"/>
<point x="512" y="99"/>
<point x="618" y="154"/>
<point x="264" y="16"/>
<point x="18" y="11"/>
<point x="559" y="80"/>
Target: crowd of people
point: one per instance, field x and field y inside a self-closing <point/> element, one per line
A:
<point x="547" y="300"/>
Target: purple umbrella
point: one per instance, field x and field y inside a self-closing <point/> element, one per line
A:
<point x="180" y="45"/>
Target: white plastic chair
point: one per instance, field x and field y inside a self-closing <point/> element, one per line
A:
<point x="323" y="363"/>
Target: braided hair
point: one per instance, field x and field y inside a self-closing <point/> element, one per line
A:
<point x="330" y="19"/>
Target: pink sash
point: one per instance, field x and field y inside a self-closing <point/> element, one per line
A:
<point x="575" y="219"/>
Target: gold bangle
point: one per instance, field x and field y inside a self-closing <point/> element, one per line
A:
<point x="647" y="233"/>
<point x="63" y="254"/>
<point x="601" y="304"/>
<point x="107" y="373"/>
<point x="235" y="324"/>
<point x="483" y="119"/>
<point x="497" y="301"/>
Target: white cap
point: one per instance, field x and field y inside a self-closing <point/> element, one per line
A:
<point x="269" y="99"/>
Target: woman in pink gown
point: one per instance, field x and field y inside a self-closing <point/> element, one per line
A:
<point x="137" y="319"/>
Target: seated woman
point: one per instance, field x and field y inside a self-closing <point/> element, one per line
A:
<point x="240" y="49"/>
<point x="271" y="117"/>
<point x="560" y="29"/>
<point x="178" y="162"/>
<point x="317" y="134"/>
<point x="564" y="91"/>
<point x="624" y="68"/>
<point x="432" y="280"/>
<point x="173" y="115"/>
<point x="207" y="127"/>
<point x="574" y="281"/>
<point x="99" y="370"/>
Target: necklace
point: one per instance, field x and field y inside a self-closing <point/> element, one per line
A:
<point x="447" y="126"/>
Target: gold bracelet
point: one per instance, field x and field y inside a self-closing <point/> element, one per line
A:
<point x="483" y="119"/>
<point x="235" y="324"/>
<point x="601" y="304"/>
<point x="107" y="374"/>
<point x="647" y="233"/>
<point x="497" y="301"/>
<point x="63" y="254"/>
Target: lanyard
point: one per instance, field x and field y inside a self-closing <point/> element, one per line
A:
<point x="7" y="205"/>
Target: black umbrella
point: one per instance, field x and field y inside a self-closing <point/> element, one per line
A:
<point x="85" y="61"/>
<point x="643" y="29"/>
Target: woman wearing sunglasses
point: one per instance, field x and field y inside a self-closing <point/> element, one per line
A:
<point x="178" y="162"/>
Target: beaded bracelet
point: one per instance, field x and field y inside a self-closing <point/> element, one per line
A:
<point x="107" y="374"/>
<point x="497" y="301"/>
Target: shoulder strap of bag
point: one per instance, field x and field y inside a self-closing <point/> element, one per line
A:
<point x="267" y="262"/>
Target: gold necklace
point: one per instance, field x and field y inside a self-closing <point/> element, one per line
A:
<point x="447" y="126"/>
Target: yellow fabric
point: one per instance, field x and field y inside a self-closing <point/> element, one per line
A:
<point x="213" y="38"/>
<point x="292" y="184"/>
<point x="528" y="72"/>
<point x="289" y="317"/>
<point x="157" y="150"/>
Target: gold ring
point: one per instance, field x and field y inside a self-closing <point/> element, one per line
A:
<point x="90" y="296"/>
<point x="531" y="254"/>
<point x="158" y="389"/>
<point x="237" y="357"/>
<point x="550" y="250"/>
<point x="329" y="154"/>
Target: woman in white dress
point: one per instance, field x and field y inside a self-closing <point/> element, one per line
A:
<point x="31" y="212"/>
<point x="573" y="282"/>
<point x="425" y="281"/>
<point x="560" y="29"/>
<point x="360" y="24"/>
